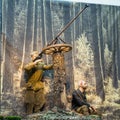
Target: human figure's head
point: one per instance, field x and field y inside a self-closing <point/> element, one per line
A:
<point x="82" y="85"/>
<point x="34" y="54"/>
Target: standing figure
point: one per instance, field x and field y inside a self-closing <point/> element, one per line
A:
<point x="34" y="95"/>
<point x="79" y="101"/>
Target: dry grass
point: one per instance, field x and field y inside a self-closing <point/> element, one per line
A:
<point x="94" y="99"/>
<point x="112" y="94"/>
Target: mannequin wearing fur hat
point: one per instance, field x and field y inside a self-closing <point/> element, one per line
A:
<point x="34" y="97"/>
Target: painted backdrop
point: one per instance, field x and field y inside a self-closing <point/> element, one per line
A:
<point x="28" y="25"/>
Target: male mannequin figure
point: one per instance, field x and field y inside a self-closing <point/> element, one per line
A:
<point x="79" y="100"/>
<point x="35" y="97"/>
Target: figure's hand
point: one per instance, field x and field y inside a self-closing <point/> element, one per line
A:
<point x="92" y="108"/>
<point x="37" y="61"/>
<point x="28" y="85"/>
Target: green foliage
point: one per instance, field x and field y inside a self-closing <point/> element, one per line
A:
<point x="1" y="118"/>
<point x="63" y="115"/>
<point x="12" y="118"/>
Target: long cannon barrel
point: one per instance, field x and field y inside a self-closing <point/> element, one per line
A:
<point x="71" y="21"/>
<point x="56" y="38"/>
<point x="67" y="25"/>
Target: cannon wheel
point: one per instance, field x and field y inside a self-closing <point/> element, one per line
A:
<point x="57" y="48"/>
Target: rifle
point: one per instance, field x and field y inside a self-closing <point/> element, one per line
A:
<point x="38" y="57"/>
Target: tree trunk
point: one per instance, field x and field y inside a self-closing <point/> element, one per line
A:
<point x="77" y="21"/>
<point x="8" y="70"/>
<point x="118" y="41"/>
<point x="43" y="22"/>
<point x="99" y="80"/>
<point x="49" y="21"/>
<point x="35" y="25"/>
<point x="29" y="30"/>
<point x="100" y="42"/>
<point x="114" y="49"/>
<point x="67" y="35"/>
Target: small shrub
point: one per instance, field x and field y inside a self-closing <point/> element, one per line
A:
<point x="1" y="118"/>
<point x="12" y="118"/>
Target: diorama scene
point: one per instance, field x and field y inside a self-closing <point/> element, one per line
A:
<point x="59" y="60"/>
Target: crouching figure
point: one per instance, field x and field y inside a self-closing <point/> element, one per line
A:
<point x="79" y="101"/>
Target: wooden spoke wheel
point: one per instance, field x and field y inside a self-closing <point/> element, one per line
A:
<point x="57" y="48"/>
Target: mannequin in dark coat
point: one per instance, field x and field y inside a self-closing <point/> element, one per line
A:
<point x="79" y="100"/>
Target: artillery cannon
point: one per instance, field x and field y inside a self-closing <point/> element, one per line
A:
<point x="57" y="51"/>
